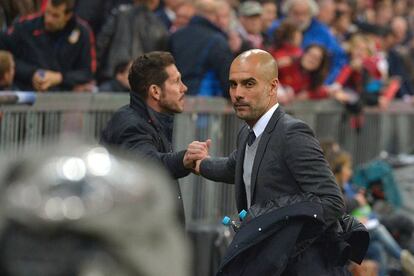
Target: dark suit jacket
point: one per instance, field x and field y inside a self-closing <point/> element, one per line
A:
<point x="133" y="129"/>
<point x="288" y="161"/>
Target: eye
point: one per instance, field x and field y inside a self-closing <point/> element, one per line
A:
<point x="233" y="85"/>
<point x="250" y="84"/>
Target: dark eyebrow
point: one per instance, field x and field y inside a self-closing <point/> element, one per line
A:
<point x="245" y="81"/>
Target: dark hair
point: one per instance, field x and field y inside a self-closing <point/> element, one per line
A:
<point x="285" y="33"/>
<point x="317" y="77"/>
<point x="149" y="69"/>
<point x="121" y="67"/>
<point x="70" y="4"/>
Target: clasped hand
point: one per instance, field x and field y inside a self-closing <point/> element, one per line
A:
<point x="196" y="152"/>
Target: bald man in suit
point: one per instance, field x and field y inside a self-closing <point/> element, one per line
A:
<point x="277" y="156"/>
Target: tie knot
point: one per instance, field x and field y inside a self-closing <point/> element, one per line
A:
<point x="251" y="137"/>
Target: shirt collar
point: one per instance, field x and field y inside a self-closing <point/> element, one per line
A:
<point x="261" y="124"/>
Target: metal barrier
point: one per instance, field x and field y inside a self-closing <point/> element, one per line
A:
<point x="206" y="202"/>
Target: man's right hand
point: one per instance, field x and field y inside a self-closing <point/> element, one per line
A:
<point x="196" y="151"/>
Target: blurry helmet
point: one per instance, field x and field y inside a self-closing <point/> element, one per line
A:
<point x="79" y="210"/>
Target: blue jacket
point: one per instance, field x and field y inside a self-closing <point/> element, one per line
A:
<point x="319" y="33"/>
<point x="201" y="51"/>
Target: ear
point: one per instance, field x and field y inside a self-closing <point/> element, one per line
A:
<point x="274" y="84"/>
<point x="154" y="92"/>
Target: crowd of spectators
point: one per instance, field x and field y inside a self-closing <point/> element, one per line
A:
<point x="356" y="52"/>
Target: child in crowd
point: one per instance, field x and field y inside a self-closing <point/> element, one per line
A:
<point x="365" y="79"/>
<point x="7" y="70"/>
<point x="286" y="50"/>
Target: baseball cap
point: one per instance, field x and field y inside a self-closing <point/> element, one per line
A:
<point x="250" y="8"/>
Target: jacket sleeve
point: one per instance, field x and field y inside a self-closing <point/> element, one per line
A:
<point x="350" y="204"/>
<point x="86" y="62"/>
<point x="339" y="59"/>
<point x="137" y="140"/>
<point x="308" y="166"/>
<point x="220" y="58"/>
<point x="221" y="169"/>
<point x="103" y="41"/>
<point x="11" y="42"/>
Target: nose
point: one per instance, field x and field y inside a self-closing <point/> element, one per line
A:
<point x="236" y="92"/>
<point x="184" y="88"/>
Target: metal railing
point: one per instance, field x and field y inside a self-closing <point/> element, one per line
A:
<point x="57" y="114"/>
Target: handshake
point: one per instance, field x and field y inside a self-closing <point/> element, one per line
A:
<point x="196" y="152"/>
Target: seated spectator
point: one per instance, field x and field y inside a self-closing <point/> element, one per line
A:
<point x="395" y="44"/>
<point x="305" y="76"/>
<point x="228" y="23"/>
<point x="53" y="51"/>
<point x="269" y="15"/>
<point x="7" y="70"/>
<point x="250" y="28"/>
<point x="120" y="82"/>
<point x="356" y="204"/>
<point x="202" y="53"/>
<point x="166" y="12"/>
<point x="342" y="26"/>
<point x="130" y="31"/>
<point x="326" y="12"/>
<point x="314" y="32"/>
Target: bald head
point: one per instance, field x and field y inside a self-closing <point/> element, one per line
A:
<point x="261" y="60"/>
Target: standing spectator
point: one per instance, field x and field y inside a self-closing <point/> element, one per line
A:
<point x="7" y="70"/>
<point x="130" y="31"/>
<point x="119" y="83"/>
<point x="250" y="28"/>
<point x="202" y="52"/>
<point x="314" y="32"/>
<point x="53" y="51"/>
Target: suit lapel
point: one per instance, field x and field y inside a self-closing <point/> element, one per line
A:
<point x="264" y="140"/>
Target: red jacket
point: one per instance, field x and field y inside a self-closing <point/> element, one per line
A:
<point x="300" y="81"/>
